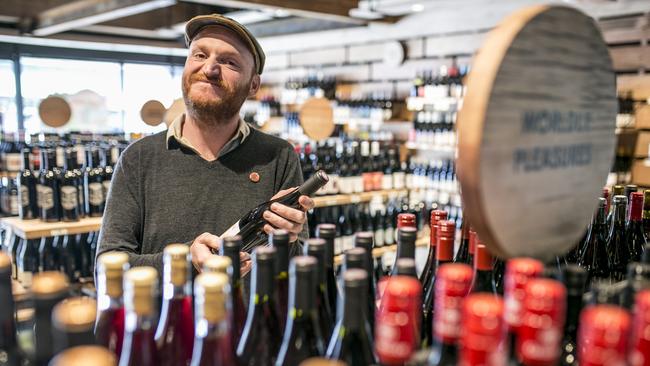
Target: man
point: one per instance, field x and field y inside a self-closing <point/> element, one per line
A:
<point x="209" y="168"/>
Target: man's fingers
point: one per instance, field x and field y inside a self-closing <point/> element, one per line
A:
<point x="245" y="268"/>
<point x="200" y="252"/>
<point x="288" y="213"/>
<point x="306" y="202"/>
<point x="243" y="257"/>
<point x="280" y="222"/>
<point x="212" y="241"/>
<point x="283" y="192"/>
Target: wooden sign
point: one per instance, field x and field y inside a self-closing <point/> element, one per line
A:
<point x="536" y="131"/>
<point x="152" y="112"/>
<point x="54" y="111"/>
<point x="317" y="118"/>
<point x="176" y="109"/>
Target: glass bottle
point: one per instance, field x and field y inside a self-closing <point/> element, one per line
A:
<point x="109" y="326"/>
<point x="617" y="240"/>
<point x="316" y="248"/>
<point x="48" y="288"/>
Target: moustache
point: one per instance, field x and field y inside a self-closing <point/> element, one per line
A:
<point x="198" y="78"/>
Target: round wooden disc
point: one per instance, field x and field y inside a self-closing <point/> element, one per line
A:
<point x="176" y="109"/>
<point x="54" y="111"/>
<point x="152" y="112"/>
<point x="536" y="131"/>
<point x="317" y="118"/>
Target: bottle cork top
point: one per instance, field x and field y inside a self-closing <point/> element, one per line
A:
<point x="76" y="314"/>
<point x="49" y="284"/>
<point x="218" y="263"/>
<point x="84" y="356"/>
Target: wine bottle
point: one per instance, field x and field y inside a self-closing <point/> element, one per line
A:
<point x="279" y="239"/>
<point x="397" y="333"/>
<point x="603" y="292"/>
<point x="48" y="188"/>
<point x="519" y="271"/>
<point x="462" y="255"/>
<point x="94" y="184"/>
<point x="453" y="283"/>
<point x="538" y="343"/>
<point x="483" y="272"/>
<point x="405" y="267"/>
<point x="628" y="190"/>
<point x="639" y="339"/>
<point x="617" y="240"/>
<point x="603" y="336"/>
<point x="473" y="238"/>
<point x="638" y="279"/>
<point x="259" y="343"/>
<point x="429" y="269"/>
<point x="636" y="238"/>
<point x="69" y="190"/>
<point x="107" y="170"/>
<point x="249" y="226"/>
<point x="175" y="332"/>
<point x="575" y="281"/>
<point x="327" y="232"/>
<point x="68" y="254"/>
<point x="85" y="355"/>
<point x="28" y="259"/>
<point x="405" y="244"/>
<point x="594" y="256"/>
<point x="444" y="254"/>
<point x="8" y="342"/>
<point x="351" y="340"/>
<point x="48" y="288"/>
<point x="109" y="327"/>
<point x="646" y="213"/>
<point x="364" y="240"/>
<point x="140" y="290"/>
<point x="316" y="248"/>
<point x="645" y="256"/>
<point x="213" y="341"/>
<point x="28" y="208"/>
<point x="302" y="335"/>
<point x="48" y="254"/>
<point x="354" y="258"/>
<point x="483" y="339"/>
<point x="230" y="247"/>
<point x="73" y="320"/>
<point x="218" y="264"/>
<point x="79" y="173"/>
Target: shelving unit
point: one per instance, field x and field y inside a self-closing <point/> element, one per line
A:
<point x="346" y="199"/>
<point x="33" y="229"/>
<point x="442" y="150"/>
<point x="422" y="241"/>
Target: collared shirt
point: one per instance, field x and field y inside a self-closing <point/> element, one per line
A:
<point x="175" y="133"/>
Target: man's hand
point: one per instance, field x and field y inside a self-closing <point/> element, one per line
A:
<point x="200" y="249"/>
<point x="287" y="218"/>
<point x="245" y="263"/>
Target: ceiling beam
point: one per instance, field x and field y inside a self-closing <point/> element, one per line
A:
<point x="166" y="17"/>
<point x="321" y="9"/>
<point x="83" y="13"/>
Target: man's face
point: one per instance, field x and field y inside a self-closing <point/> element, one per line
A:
<point x="218" y="75"/>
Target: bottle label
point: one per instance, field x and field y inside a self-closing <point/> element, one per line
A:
<point x="25" y="278"/>
<point x="60" y="156"/>
<point x="539" y="339"/>
<point x="358" y="185"/>
<point x="13" y="162"/>
<point x="409" y="181"/>
<point x="389" y="233"/>
<point x="80" y="197"/>
<point x="379" y="237"/>
<point x="95" y="194"/>
<point x="348" y="242"/>
<point x="396" y="336"/>
<point x="345" y="185"/>
<point x="24" y="196"/>
<point x="81" y="153"/>
<point x="69" y="197"/>
<point x="338" y="245"/>
<point x="13" y="204"/>
<point x="45" y="197"/>
<point x="387" y="181"/>
<point x="106" y="185"/>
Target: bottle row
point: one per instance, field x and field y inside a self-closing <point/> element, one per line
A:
<point x="447" y="82"/>
<point x="434" y="128"/>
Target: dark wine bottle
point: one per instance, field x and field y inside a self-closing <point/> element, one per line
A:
<point x="140" y="291"/>
<point x="48" y="254"/>
<point x="354" y="258"/>
<point x="175" y="332"/>
<point x="575" y="281"/>
<point x="605" y="328"/>
<point x="107" y="167"/>
<point x="483" y="271"/>
<point x="316" y="248"/>
<point x="73" y="320"/>
<point x="406" y="267"/>
<point x="364" y="240"/>
<point x="617" y="241"/>
<point x="279" y="239"/>
<point x="48" y="191"/>
<point x="249" y="226"/>
<point x="68" y="254"/>
<point x="28" y="259"/>
<point x="230" y="248"/>
<point x="429" y="270"/>
<point x="406" y="236"/>
<point x="302" y="335"/>
<point x="69" y="190"/>
<point x="646" y="213"/>
<point x="8" y="342"/>
<point x="636" y="238"/>
<point x="351" y="340"/>
<point x="48" y="289"/>
<point x="638" y="279"/>
<point x="212" y="343"/>
<point x="444" y="254"/>
<point x="327" y="232"/>
<point x="594" y="253"/>
<point x="109" y="327"/>
<point x="462" y="255"/>
<point x="453" y="283"/>
<point x="259" y="343"/>
<point x="28" y="198"/>
<point x="483" y="339"/>
<point x="94" y="183"/>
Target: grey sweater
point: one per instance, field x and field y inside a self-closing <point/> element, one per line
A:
<point x="161" y="195"/>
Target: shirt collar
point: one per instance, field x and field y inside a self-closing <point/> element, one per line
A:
<point x="175" y="133"/>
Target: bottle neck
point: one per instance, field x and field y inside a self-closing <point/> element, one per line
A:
<point x="574" y="307"/>
<point x="25" y="162"/>
<point x="233" y="254"/>
<point x="282" y="259"/>
<point x="302" y="294"/>
<point x="262" y="284"/>
<point x="7" y="330"/>
<point x="636" y="211"/>
<point x="405" y="248"/>
<point x="353" y="308"/>
<point x="619" y="214"/>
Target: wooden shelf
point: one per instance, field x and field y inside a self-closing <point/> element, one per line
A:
<point x="33" y="229"/>
<point x="5" y="174"/>
<point x="442" y="150"/>
<point x="346" y="199"/>
<point x="422" y="241"/>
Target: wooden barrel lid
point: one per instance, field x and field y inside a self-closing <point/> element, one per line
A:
<point x="54" y="111"/>
<point x="152" y="112"/>
<point x="317" y="118"/>
<point x="536" y="131"/>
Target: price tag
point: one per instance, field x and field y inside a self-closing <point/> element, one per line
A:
<point x="355" y="198"/>
<point x="58" y="232"/>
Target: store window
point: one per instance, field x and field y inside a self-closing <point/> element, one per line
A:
<point x="92" y="88"/>
<point x="144" y="82"/>
<point x="8" y="112"/>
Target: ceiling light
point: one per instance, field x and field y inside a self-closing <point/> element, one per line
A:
<point x="417" y="7"/>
